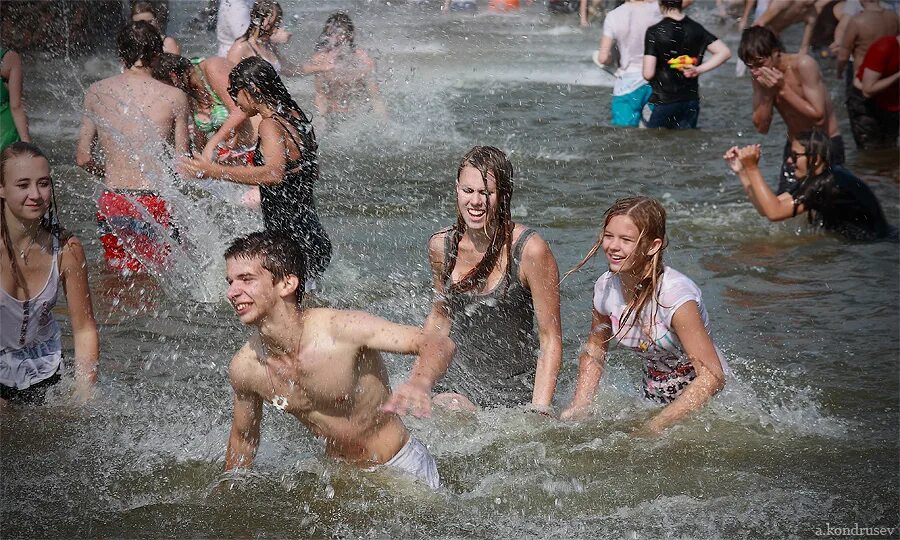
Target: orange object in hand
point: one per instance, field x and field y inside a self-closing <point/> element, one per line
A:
<point x="503" y="5"/>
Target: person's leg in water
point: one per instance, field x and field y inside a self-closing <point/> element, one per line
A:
<point x="626" y="109"/>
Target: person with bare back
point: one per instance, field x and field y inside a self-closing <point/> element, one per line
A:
<point x="873" y="23"/>
<point x="780" y="14"/>
<point x="132" y="124"/>
<point x="791" y="84"/>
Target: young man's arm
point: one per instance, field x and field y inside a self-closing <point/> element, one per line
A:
<point x="434" y="355"/>
<point x="848" y="40"/>
<point x="810" y="20"/>
<point x="812" y="104"/>
<point x="243" y="440"/>
<point x="763" y="106"/>
<point x="87" y="136"/>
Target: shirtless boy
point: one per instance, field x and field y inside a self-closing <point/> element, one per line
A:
<point x="792" y="84"/>
<point x="324" y="366"/>
<point x="129" y="121"/>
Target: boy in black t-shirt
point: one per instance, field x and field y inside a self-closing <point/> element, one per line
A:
<point x="673" y="59"/>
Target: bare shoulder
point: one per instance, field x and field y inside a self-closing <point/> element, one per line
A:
<point x="72" y="249"/>
<point x="365" y="59"/>
<point x="241" y="362"/>
<point x="10" y="60"/>
<point x="436" y="246"/>
<point x="536" y="249"/>
<point x="806" y="65"/>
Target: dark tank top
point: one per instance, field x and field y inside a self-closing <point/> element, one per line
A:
<point x="840" y="202"/>
<point x="497" y="346"/>
<point x="289" y="207"/>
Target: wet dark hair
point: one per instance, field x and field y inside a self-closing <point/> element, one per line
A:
<point x="50" y="222"/>
<point x="818" y="148"/>
<point x="758" y="42"/>
<point x="486" y="159"/>
<point x="337" y="25"/>
<point x="277" y="252"/>
<point x="261" y="81"/>
<point x="144" y="7"/>
<point x="262" y="10"/>
<point x="167" y="64"/>
<point x="139" y="41"/>
<point x="671" y="4"/>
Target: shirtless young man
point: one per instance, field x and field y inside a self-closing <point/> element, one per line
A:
<point x="873" y="23"/>
<point x="129" y="122"/>
<point x="792" y="84"/>
<point x="324" y="366"/>
<point x="781" y="14"/>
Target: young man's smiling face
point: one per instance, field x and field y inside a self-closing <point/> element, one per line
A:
<point x="252" y="290"/>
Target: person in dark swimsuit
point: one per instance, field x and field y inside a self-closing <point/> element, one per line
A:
<point x="834" y="198"/>
<point x="492" y="279"/>
<point x="285" y="162"/>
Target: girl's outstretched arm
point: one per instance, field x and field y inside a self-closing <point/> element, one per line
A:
<point x="590" y="366"/>
<point x="745" y="163"/>
<point x="73" y="268"/>
<point x="272" y="144"/>
<point x="702" y="353"/>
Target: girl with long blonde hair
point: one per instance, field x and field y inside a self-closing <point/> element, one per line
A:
<point x="652" y="309"/>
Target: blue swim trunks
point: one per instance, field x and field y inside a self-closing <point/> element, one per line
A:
<point x="626" y="109"/>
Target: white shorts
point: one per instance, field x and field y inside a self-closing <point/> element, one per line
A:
<point x="415" y="459"/>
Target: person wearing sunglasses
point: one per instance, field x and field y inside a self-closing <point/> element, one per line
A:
<point x="832" y="197"/>
<point x="791" y="84"/>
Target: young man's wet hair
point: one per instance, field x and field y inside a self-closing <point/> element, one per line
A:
<point x="671" y="4"/>
<point x="139" y="41"/>
<point x="757" y="43"/>
<point x="277" y="253"/>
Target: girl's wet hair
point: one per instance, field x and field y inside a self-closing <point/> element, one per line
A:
<point x="260" y="13"/>
<point x="487" y="160"/>
<point x="338" y="30"/>
<point x="818" y="148"/>
<point x="261" y="81"/>
<point x="50" y="222"/>
<point x="277" y="253"/>
<point x="649" y="217"/>
<point x="167" y="64"/>
<point x="139" y="41"/>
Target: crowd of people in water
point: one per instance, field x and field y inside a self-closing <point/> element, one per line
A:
<point x="230" y="118"/>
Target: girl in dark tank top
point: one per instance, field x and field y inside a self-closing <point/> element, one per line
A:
<point x="492" y="279"/>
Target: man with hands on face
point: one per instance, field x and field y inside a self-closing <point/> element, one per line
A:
<point x="792" y="84"/>
<point x="324" y="366"/>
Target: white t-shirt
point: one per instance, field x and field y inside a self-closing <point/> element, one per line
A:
<point x="667" y="370"/>
<point x="627" y="24"/>
<point x="232" y="22"/>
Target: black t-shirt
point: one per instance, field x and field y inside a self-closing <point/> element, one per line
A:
<point x="669" y="39"/>
<point x="840" y="202"/>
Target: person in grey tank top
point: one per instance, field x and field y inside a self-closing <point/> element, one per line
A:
<point x="492" y="279"/>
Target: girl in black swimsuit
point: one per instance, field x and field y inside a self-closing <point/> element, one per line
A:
<point x="285" y="164"/>
<point x="833" y="197"/>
